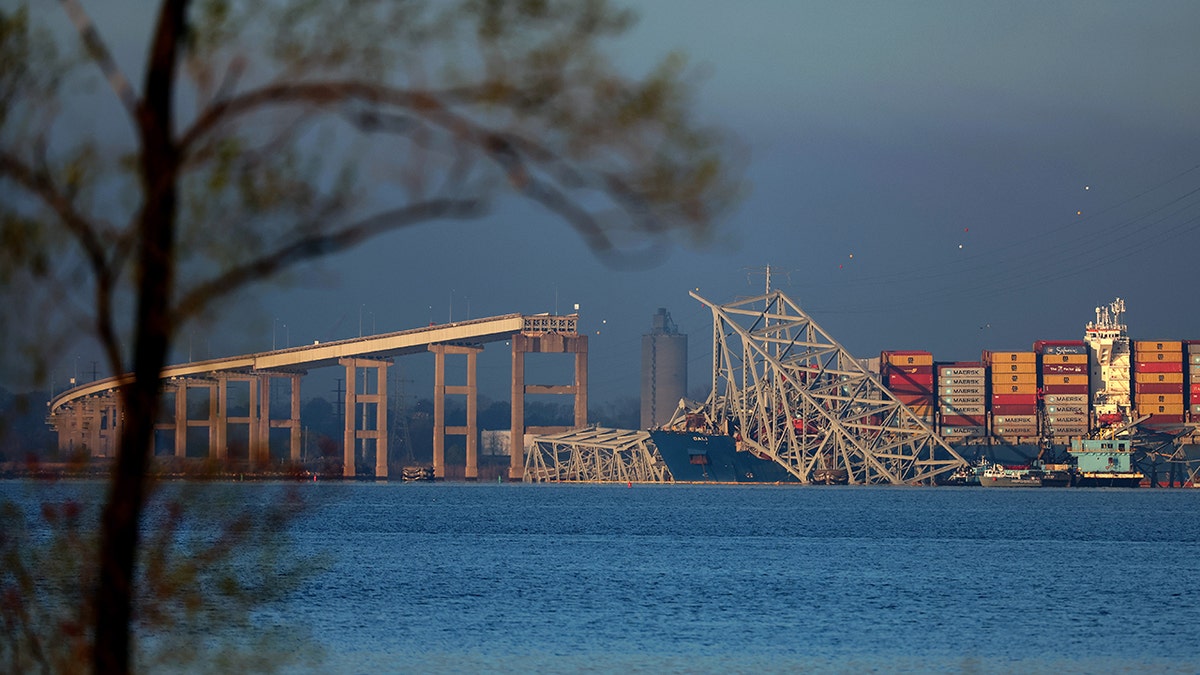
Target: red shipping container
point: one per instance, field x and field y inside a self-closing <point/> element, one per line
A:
<point x="1014" y="409"/>
<point x="1041" y="346"/>
<point x="923" y="379"/>
<point x="913" y="399"/>
<point x="1196" y="390"/>
<point x="961" y="421"/>
<point x="945" y="365"/>
<point x="1065" y="389"/>
<point x="1158" y="388"/>
<point x="1064" y="369"/>
<point x="1014" y="399"/>
<point x="910" y="370"/>
<point x="1157" y="367"/>
<point x="1156" y="420"/>
<point x="911" y="393"/>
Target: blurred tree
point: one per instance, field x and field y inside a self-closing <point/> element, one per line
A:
<point x="269" y="133"/>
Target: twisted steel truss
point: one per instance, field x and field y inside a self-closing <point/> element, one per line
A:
<point x="787" y="390"/>
<point x="595" y="455"/>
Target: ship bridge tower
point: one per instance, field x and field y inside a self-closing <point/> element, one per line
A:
<point x="1110" y="357"/>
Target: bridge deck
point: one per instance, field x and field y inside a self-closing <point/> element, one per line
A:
<point x="319" y="355"/>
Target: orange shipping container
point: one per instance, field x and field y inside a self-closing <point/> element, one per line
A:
<point x="908" y="358"/>
<point x="1150" y="378"/>
<point x="1014" y="378"/>
<point x="999" y="388"/>
<point x="1156" y="357"/>
<point x="1019" y="367"/>
<point x="1159" y="399"/>
<point x="1009" y="357"/>
<point x="1157" y="346"/>
<point x="1159" y="409"/>
<point x="1065" y="379"/>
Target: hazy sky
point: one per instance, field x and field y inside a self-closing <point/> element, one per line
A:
<point x="995" y="170"/>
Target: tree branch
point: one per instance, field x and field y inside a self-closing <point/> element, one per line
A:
<point x="319" y="93"/>
<point x="100" y="54"/>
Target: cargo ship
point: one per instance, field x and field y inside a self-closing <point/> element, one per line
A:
<point x="1050" y="402"/>
<point x="696" y="457"/>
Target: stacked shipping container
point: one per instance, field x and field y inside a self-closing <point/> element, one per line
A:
<point x="1046" y="391"/>
<point x="1193" y="358"/>
<point x="1158" y="386"/>
<point x="909" y="376"/>
<point x="1063" y="380"/>
<point x="962" y="399"/>
<point x="1014" y="395"/>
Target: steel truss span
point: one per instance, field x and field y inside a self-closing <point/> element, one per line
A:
<point x="787" y="390"/>
<point x="595" y="455"/>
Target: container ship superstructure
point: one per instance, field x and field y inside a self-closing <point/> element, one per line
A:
<point x="1109" y="347"/>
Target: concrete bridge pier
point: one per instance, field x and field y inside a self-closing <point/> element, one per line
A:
<point x="440" y="391"/>
<point x="358" y="392"/>
<point x="545" y="343"/>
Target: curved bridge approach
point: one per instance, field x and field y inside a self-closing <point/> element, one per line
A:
<point x="88" y="417"/>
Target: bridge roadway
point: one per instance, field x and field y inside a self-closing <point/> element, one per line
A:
<point x="88" y="416"/>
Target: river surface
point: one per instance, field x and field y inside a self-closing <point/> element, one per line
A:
<point x="755" y="579"/>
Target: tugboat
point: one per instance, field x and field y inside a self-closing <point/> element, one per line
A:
<point x="999" y="475"/>
<point x="969" y="474"/>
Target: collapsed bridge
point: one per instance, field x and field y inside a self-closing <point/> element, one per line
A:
<point x="784" y="391"/>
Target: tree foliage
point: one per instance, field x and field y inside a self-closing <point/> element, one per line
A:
<point x="264" y="134"/>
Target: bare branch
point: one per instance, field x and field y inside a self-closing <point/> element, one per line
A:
<point x="319" y="93"/>
<point x="99" y="51"/>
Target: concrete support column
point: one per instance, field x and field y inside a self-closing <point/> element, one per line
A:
<point x="294" y="444"/>
<point x="264" y="420"/>
<point x="516" y="448"/>
<point x="472" y="431"/>
<point x="254" y="451"/>
<point x="181" y="388"/>
<point x="381" y="436"/>
<point x="118" y="426"/>
<point x="581" y="387"/>
<point x="350" y="437"/>
<point x="220" y="438"/>
<point x="213" y="417"/>
<point x="439" y="411"/>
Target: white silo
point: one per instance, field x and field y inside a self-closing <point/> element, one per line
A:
<point x="664" y="370"/>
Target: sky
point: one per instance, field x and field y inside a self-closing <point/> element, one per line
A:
<point x="945" y="176"/>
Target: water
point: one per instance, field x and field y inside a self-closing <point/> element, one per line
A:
<point x="565" y="578"/>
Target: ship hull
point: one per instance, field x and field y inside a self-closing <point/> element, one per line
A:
<point x="712" y="458"/>
<point x="1110" y="480"/>
<point x="1010" y="481"/>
